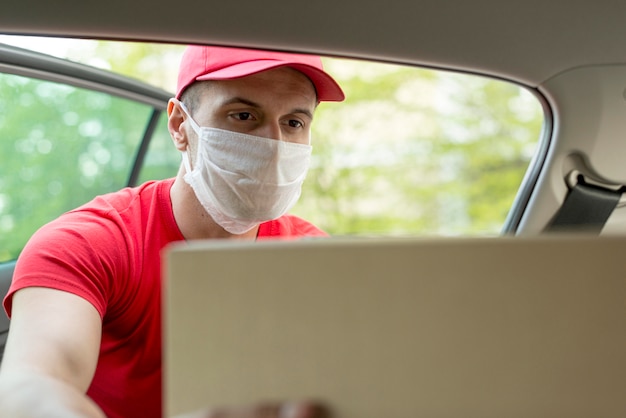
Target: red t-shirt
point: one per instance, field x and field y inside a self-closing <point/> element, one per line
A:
<point x="108" y="252"/>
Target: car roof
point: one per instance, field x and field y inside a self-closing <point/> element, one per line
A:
<point x="525" y="41"/>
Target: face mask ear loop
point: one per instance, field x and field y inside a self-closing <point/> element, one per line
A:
<point x="194" y="125"/>
<point x="186" y="163"/>
<point x="196" y="129"/>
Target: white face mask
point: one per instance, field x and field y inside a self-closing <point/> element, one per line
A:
<point x="243" y="180"/>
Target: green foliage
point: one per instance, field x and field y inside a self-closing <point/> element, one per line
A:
<point x="60" y="147"/>
<point x="419" y="152"/>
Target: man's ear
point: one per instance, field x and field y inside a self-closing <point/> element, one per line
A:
<point x="175" y="118"/>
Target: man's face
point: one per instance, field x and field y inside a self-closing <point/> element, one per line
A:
<point x="276" y="104"/>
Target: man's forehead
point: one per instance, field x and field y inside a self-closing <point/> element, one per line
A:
<point x="282" y="81"/>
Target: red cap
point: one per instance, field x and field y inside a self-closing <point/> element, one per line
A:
<point x="219" y="63"/>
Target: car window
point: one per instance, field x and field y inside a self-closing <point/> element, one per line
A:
<point x="412" y="151"/>
<point x="162" y="160"/>
<point x="61" y="145"/>
<point x="419" y="152"/>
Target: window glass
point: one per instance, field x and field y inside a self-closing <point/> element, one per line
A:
<point x="418" y="152"/>
<point x="60" y="146"/>
<point x="411" y="151"/>
<point x="162" y="159"/>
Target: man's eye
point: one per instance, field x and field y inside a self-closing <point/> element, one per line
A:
<point x="295" y="123"/>
<point x="243" y="115"/>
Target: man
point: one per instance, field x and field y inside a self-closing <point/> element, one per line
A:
<point x="85" y="336"/>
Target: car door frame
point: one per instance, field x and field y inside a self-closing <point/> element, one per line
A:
<point x="22" y="62"/>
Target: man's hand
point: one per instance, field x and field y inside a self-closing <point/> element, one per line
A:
<point x="266" y="410"/>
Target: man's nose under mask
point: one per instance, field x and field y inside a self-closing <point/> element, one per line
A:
<point x="243" y="180"/>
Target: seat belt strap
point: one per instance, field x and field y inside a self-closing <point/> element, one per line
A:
<point x="586" y="208"/>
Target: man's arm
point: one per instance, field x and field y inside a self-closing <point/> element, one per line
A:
<point x="50" y="356"/>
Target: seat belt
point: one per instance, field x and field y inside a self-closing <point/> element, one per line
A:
<point x="587" y="206"/>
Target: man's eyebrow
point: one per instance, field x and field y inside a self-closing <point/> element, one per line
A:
<point x="305" y="112"/>
<point x="238" y="100"/>
<point x="241" y="100"/>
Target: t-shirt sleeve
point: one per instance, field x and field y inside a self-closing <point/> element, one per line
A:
<point x="79" y="253"/>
